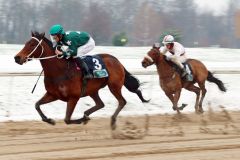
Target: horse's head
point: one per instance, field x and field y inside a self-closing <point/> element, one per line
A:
<point x="151" y="56"/>
<point x="32" y="49"/>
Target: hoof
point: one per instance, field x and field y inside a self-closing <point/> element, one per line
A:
<point x="183" y="106"/>
<point x="49" y="121"/>
<point x="113" y="126"/>
<point x="200" y="111"/>
<point x="85" y="119"/>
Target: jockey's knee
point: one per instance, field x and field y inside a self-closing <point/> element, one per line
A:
<point x="174" y="58"/>
<point x="177" y="62"/>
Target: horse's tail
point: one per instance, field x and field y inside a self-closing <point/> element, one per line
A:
<point x="133" y="84"/>
<point x="215" y="80"/>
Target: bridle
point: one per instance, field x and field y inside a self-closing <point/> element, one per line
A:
<point x="40" y="57"/>
<point x="150" y="58"/>
<point x="156" y="50"/>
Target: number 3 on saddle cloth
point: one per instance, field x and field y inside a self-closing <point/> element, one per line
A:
<point x="96" y="66"/>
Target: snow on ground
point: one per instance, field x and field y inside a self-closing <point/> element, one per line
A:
<point x="17" y="103"/>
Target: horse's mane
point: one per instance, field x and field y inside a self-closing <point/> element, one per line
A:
<point x="39" y="36"/>
<point x="168" y="61"/>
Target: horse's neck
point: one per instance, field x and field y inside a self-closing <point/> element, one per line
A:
<point x="164" y="68"/>
<point x="53" y="66"/>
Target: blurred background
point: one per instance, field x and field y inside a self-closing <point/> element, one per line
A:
<point x="196" y="23"/>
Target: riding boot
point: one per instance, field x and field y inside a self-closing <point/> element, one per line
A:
<point x="185" y="73"/>
<point x="81" y="64"/>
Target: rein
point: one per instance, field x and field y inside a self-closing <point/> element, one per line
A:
<point x="171" y="76"/>
<point x="40" y="57"/>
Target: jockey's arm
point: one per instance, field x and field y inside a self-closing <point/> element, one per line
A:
<point x="164" y="51"/>
<point x="176" y="57"/>
<point x="71" y="51"/>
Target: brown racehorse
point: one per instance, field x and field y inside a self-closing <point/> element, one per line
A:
<point x="171" y="82"/>
<point x="63" y="81"/>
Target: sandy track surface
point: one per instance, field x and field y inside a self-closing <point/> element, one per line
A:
<point x="190" y="137"/>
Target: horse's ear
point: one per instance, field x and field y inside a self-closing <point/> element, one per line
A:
<point x="156" y="45"/>
<point x="42" y="35"/>
<point x="32" y="34"/>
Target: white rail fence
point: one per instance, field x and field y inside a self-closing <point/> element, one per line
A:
<point x="3" y="74"/>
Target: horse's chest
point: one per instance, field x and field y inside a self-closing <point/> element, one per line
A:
<point x="63" y="90"/>
<point x="170" y="85"/>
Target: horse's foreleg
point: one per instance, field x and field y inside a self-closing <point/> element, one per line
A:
<point x="204" y="91"/>
<point x="174" y="99"/>
<point x="196" y="90"/>
<point x="170" y="96"/>
<point x="45" y="99"/>
<point x="98" y="105"/>
<point x="71" y="104"/>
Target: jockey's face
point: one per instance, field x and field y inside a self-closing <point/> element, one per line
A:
<point x="169" y="45"/>
<point x="56" y="37"/>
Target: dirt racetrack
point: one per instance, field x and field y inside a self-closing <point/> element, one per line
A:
<point x="211" y="136"/>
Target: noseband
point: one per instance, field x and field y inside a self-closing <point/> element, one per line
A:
<point x="40" y="57"/>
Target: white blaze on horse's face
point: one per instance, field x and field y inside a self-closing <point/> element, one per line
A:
<point x="149" y="58"/>
<point x="147" y="61"/>
<point x="29" y="50"/>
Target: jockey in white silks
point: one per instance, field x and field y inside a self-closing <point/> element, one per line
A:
<point x="175" y="52"/>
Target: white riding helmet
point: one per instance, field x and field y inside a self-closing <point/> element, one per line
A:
<point x="168" y="39"/>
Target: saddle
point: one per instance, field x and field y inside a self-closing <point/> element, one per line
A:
<point x="186" y="65"/>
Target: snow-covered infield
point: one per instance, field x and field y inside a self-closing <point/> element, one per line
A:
<point x="17" y="102"/>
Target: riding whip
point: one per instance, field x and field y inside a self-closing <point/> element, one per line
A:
<point x="37" y="81"/>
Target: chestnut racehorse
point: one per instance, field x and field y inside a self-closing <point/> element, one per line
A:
<point x="172" y="83"/>
<point x="63" y="81"/>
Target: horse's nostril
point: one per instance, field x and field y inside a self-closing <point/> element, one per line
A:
<point x="17" y="59"/>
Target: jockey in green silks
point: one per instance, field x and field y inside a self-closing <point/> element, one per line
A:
<point x="72" y="44"/>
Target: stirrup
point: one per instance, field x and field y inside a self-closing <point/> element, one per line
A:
<point x="87" y="76"/>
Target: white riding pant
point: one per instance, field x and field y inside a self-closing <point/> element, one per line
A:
<point x="177" y="59"/>
<point x="82" y="50"/>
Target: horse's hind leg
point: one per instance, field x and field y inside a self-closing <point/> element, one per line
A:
<point x="116" y="91"/>
<point x="45" y="99"/>
<point x="196" y="90"/>
<point x="204" y="91"/>
<point x="98" y="105"/>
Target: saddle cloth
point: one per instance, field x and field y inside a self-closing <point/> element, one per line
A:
<point x="96" y="66"/>
<point x="186" y="66"/>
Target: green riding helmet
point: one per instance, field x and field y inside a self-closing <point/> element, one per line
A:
<point x="56" y="29"/>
